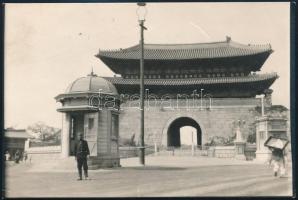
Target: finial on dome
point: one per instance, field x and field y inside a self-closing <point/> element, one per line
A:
<point x="92" y="73"/>
<point x="228" y="38"/>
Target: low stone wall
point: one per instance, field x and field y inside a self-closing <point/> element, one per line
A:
<point x="128" y="152"/>
<point x="36" y="154"/>
<point x="224" y="151"/>
<point x="182" y="151"/>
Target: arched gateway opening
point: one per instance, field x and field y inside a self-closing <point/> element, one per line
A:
<point x="175" y="130"/>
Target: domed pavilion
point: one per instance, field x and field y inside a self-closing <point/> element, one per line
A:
<point x="90" y="106"/>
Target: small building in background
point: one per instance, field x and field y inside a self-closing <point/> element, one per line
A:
<point x="14" y="139"/>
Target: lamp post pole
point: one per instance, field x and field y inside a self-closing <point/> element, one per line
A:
<point x="142" y="148"/>
<point x="202" y="99"/>
<point x="142" y="14"/>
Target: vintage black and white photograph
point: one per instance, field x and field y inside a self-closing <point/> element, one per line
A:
<point x="147" y="99"/>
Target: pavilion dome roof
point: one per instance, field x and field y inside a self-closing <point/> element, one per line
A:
<point x="91" y="83"/>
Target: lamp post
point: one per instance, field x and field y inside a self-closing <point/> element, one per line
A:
<point x="239" y="125"/>
<point x="141" y="12"/>
<point x="262" y="105"/>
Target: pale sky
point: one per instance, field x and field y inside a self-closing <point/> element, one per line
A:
<point x="47" y="46"/>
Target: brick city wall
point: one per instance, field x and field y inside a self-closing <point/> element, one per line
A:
<point x="215" y="121"/>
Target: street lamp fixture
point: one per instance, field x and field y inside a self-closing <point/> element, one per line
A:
<point x="141" y="12"/>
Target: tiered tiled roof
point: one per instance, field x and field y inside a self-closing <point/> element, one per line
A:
<point x="187" y="51"/>
<point x="270" y="77"/>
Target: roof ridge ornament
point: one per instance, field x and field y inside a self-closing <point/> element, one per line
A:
<point x="228" y="38"/>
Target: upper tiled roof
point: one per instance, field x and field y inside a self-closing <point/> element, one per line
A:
<point x="226" y="48"/>
<point x="194" y="81"/>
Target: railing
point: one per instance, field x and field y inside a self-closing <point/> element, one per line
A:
<point x="182" y="151"/>
<point x="212" y="151"/>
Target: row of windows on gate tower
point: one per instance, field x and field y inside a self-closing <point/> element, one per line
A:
<point x="155" y="76"/>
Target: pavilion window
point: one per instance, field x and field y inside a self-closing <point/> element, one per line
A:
<point x="158" y="76"/>
<point x="208" y="75"/>
<point x="72" y="128"/>
<point x="190" y="76"/>
<point x="237" y="74"/>
<point x="223" y="75"/>
<point x="114" y="131"/>
<point x="90" y="123"/>
<point x="195" y="75"/>
<point x="242" y="74"/>
<point x="218" y="75"/>
<point x="232" y="74"/>
<point x="149" y="76"/>
<point x="177" y="76"/>
<point x="167" y="76"/>
<point x="154" y="76"/>
<point x="172" y="76"/>
<point x="145" y="76"/>
<point x="185" y="76"/>
<point x="200" y="75"/>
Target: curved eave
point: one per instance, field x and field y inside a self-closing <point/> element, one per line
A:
<point x="187" y="55"/>
<point x="195" y="81"/>
<point x="77" y="108"/>
<point x="63" y="96"/>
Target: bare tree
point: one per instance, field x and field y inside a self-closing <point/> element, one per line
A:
<point x="43" y="131"/>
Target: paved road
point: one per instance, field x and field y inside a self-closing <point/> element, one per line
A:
<point x="152" y="180"/>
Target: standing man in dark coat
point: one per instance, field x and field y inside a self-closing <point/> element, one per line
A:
<point x="81" y="153"/>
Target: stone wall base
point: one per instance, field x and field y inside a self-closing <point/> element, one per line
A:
<point x="102" y="162"/>
<point x="263" y="156"/>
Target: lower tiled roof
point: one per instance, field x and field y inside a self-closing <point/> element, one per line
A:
<point x="194" y="81"/>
